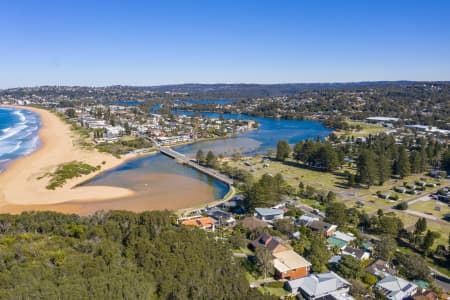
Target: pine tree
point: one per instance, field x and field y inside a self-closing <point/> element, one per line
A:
<point x="283" y="150"/>
<point x="421" y="226"/>
<point x="403" y="165"/>
<point x="367" y="171"/>
<point x="384" y="168"/>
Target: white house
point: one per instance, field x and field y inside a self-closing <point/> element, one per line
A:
<point x="269" y="214"/>
<point x="396" y="288"/>
<point x="320" y="285"/>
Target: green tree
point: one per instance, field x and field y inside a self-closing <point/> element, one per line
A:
<point x="200" y="156"/>
<point x="264" y="261"/>
<point x="445" y="161"/>
<point x="283" y="150"/>
<point x="211" y="159"/>
<point x="428" y="241"/>
<point x="366" y="168"/>
<point x="384" y="168"/>
<point x="421" y="226"/>
<point x="335" y="213"/>
<point x="403" y="164"/>
<point x="350" y="267"/>
<point x="386" y="247"/>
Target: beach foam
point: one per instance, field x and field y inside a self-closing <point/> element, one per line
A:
<point x="18" y="134"/>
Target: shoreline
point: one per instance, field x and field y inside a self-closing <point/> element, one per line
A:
<point x="20" y="185"/>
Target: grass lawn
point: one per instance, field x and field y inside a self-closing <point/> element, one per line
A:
<point x="367" y="129"/>
<point x="428" y="207"/>
<point x="278" y="292"/>
<point x="291" y="172"/>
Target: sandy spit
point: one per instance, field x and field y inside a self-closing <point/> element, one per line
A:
<point x="19" y="184"/>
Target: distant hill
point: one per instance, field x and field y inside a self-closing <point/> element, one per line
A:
<point x="265" y="90"/>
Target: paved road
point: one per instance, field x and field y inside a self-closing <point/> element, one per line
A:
<point x="261" y="281"/>
<point x="442" y="280"/>
<point x="240" y="255"/>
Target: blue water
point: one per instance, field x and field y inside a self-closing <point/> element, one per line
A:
<point x="207" y="101"/>
<point x="18" y="134"/>
<point x="261" y="140"/>
<point x="131" y="174"/>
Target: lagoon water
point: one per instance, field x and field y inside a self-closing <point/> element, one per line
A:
<point x="18" y="134"/>
<point x="160" y="182"/>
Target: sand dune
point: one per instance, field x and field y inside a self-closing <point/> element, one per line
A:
<point x="19" y="184"/>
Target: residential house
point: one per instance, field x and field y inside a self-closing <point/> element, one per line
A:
<point x="380" y="268"/>
<point x="307" y="219"/>
<point x="271" y="243"/>
<point x="205" y="223"/>
<point x="269" y="214"/>
<point x="221" y="217"/>
<point x="396" y="288"/>
<point x="320" y="286"/>
<point x="252" y="223"/>
<point x="326" y="228"/>
<point x="356" y="253"/>
<point x="289" y="265"/>
<point x="340" y="239"/>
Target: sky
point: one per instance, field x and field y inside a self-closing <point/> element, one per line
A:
<point x="100" y="43"/>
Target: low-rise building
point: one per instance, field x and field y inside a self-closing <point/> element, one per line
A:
<point x="271" y="243"/>
<point x="396" y="288"/>
<point x="269" y="214"/>
<point x="326" y="228"/>
<point x="205" y="223"/>
<point x="320" y="286"/>
<point x="289" y="265"/>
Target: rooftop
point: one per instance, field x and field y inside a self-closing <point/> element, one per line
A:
<point x="289" y="260"/>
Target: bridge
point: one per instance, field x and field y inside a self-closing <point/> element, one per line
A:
<point x="186" y="160"/>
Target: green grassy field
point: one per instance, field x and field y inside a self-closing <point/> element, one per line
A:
<point x="366" y="129"/>
<point x="428" y="207"/>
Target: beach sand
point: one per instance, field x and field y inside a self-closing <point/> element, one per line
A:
<point x="20" y="188"/>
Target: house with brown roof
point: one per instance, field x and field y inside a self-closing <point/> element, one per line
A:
<point x="326" y="228"/>
<point x="271" y="243"/>
<point x="205" y="223"/>
<point x="252" y="223"/>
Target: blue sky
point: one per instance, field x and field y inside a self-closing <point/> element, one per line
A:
<point x="97" y="43"/>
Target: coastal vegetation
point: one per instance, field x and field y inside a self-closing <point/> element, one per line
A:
<point x="115" y="255"/>
<point x="124" y="146"/>
<point x="68" y="171"/>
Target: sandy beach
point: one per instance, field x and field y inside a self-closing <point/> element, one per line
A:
<point x="20" y="188"/>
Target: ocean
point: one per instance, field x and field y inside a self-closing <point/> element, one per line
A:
<point x="18" y="134"/>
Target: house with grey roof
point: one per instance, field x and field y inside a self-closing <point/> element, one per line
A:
<point x="396" y="288"/>
<point x="320" y="286"/>
<point x="269" y="214"/>
<point x="356" y="253"/>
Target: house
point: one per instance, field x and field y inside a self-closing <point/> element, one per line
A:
<point x="334" y="260"/>
<point x="396" y="288"/>
<point x="289" y="265"/>
<point x="269" y="214"/>
<point x="221" y="217"/>
<point x="307" y="219"/>
<point x="356" y="253"/>
<point x="252" y="223"/>
<point x="340" y="239"/>
<point x="205" y="223"/>
<point x="319" y="286"/>
<point x="271" y="243"/>
<point x="326" y="228"/>
<point x="380" y="268"/>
